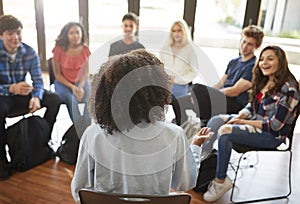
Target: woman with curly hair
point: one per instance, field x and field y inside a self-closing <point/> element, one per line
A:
<point x="264" y="123"/>
<point x="70" y="69"/>
<point x="129" y="148"/>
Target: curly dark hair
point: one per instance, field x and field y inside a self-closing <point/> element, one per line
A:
<point x="129" y="89"/>
<point x="282" y="75"/>
<point x="62" y="39"/>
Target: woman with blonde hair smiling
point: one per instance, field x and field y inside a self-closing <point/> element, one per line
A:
<point x="179" y="58"/>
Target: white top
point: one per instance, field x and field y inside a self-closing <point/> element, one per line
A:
<point x="183" y="66"/>
<point x="148" y="159"/>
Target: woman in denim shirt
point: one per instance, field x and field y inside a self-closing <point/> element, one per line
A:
<point x="264" y="122"/>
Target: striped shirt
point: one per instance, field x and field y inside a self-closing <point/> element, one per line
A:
<point x="276" y="111"/>
<point x="14" y="70"/>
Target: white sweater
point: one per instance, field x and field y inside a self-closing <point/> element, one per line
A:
<point x="182" y="66"/>
<point x="148" y="160"/>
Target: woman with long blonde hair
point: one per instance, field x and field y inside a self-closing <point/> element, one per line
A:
<point x="179" y="58"/>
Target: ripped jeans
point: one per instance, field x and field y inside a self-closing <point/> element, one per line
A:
<point x="226" y="134"/>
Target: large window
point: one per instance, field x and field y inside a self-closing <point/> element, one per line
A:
<point x="218" y="18"/>
<point x="105" y="20"/>
<point x="160" y="14"/>
<point x="56" y="17"/>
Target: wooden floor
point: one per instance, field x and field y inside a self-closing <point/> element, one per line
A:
<point x="49" y="183"/>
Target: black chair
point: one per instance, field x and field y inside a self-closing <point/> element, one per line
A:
<point x="242" y="149"/>
<point x="50" y="70"/>
<point x="90" y="197"/>
<point x="181" y="104"/>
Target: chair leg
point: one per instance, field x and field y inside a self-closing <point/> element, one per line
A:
<point x="236" y="170"/>
<point x="290" y="174"/>
<point x="262" y="199"/>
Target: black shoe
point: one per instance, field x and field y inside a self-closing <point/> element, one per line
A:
<point x="5" y="170"/>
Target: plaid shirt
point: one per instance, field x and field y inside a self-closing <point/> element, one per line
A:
<point x="14" y="71"/>
<point x="276" y="111"/>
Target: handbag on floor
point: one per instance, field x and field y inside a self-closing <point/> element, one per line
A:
<point x="207" y="172"/>
<point x="68" y="149"/>
<point x="28" y="143"/>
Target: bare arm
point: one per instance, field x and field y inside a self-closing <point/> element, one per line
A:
<point x="239" y="87"/>
<point x="221" y="82"/>
<point x="79" y="90"/>
<point x="255" y="123"/>
<point x="84" y="76"/>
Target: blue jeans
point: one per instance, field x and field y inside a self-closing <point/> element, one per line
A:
<point x="70" y="100"/>
<point x="234" y="133"/>
<point x="179" y="90"/>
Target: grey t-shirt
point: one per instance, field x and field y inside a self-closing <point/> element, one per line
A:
<point x="119" y="47"/>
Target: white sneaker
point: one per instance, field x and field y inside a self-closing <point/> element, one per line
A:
<point x="217" y="190"/>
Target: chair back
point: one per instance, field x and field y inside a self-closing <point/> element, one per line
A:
<point x="50" y="70"/>
<point x="90" y="197"/>
<point x="291" y="133"/>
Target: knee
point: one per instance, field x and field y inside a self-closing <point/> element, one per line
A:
<point x="225" y="129"/>
<point x="218" y="120"/>
<point x="52" y="100"/>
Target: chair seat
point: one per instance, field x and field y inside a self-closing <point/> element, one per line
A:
<point x="243" y="148"/>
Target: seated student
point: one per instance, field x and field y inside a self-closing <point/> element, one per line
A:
<point x="16" y="95"/>
<point x="70" y="69"/>
<point x="230" y="94"/>
<point x="179" y="58"/>
<point x="264" y="122"/>
<point x="129" y="42"/>
<point x="130" y="149"/>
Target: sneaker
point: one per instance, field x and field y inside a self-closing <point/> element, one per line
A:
<point x="217" y="190"/>
<point x="5" y="170"/>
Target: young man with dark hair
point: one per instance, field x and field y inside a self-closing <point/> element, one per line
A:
<point x="130" y="23"/>
<point x="18" y="97"/>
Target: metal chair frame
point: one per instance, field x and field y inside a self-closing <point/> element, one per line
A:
<point x="244" y="149"/>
